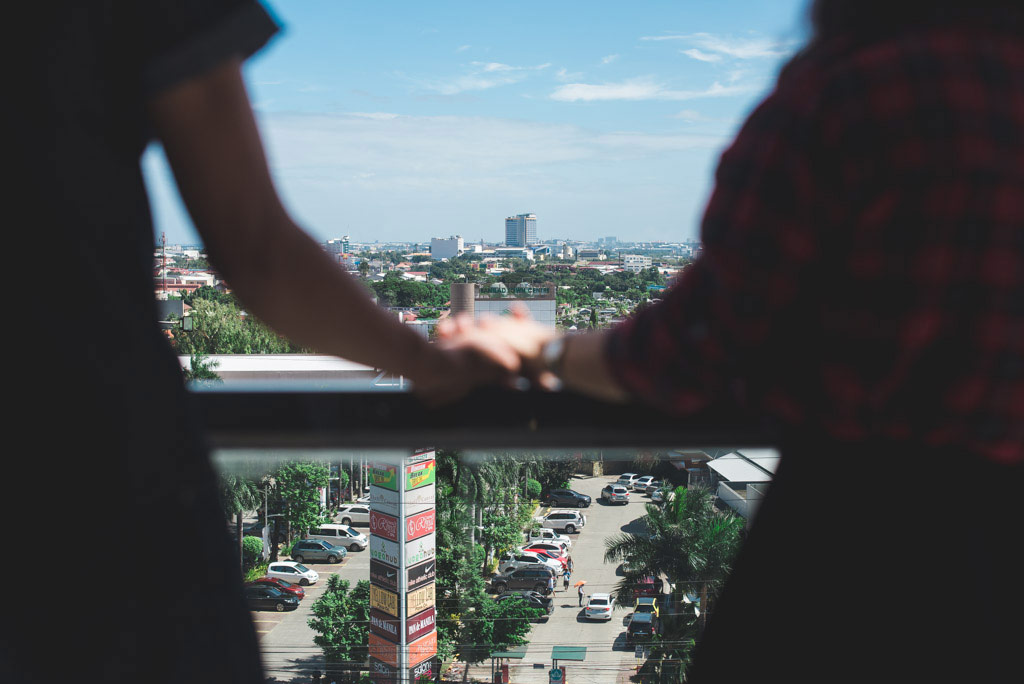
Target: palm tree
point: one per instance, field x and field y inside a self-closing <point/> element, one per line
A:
<point x="238" y="495"/>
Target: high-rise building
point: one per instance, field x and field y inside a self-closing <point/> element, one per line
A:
<point x="442" y="248"/>
<point x="521" y="230"/>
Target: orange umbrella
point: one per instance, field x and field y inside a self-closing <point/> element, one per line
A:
<point x="580" y="583"/>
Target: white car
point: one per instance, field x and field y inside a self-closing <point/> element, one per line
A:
<point x="599" y="607"/>
<point x="640" y="484"/>
<point x="627" y="480"/>
<point x="524" y="559"/>
<point x="353" y="513"/>
<point x="548" y="535"/>
<point x="293" y="572"/>
<point x="566" y="521"/>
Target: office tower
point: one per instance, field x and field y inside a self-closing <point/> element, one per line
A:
<point x="520" y="230"/>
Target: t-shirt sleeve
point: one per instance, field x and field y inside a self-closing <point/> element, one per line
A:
<point x="181" y="39"/>
<point x="719" y="325"/>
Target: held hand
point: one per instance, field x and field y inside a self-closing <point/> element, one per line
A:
<point x="456" y="365"/>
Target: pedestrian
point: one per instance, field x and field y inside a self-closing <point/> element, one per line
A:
<point x="570" y="563"/>
<point x="580" y="592"/>
<point x="551" y="584"/>
<point x="565" y="579"/>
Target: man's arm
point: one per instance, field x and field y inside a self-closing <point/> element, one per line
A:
<point x="211" y="140"/>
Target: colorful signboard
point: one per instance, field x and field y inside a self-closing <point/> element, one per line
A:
<point x="384" y="525"/>
<point x="427" y="669"/>
<point x="384" y="475"/>
<point x="420" y="474"/>
<point x="382" y="673"/>
<point x="418" y="575"/>
<point x="419" y="550"/>
<point x="385" y="625"/>
<point x="383" y="550"/>
<point x="384" y="600"/>
<point x="419" y="600"/>
<point x="386" y="651"/>
<point x="422" y="649"/>
<point x="418" y="625"/>
<point x="384" y="575"/>
<point x="416" y="526"/>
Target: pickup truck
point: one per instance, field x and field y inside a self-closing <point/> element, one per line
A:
<point x="546" y="534"/>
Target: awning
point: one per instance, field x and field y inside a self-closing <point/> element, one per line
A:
<point x="515" y="653"/>
<point x="739" y="468"/>
<point x="569" y="653"/>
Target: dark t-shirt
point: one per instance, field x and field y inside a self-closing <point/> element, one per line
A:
<point x="140" y="583"/>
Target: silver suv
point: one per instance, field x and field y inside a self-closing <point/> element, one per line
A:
<point x="564" y="521"/>
<point x="317" y="550"/>
<point x="615" y="493"/>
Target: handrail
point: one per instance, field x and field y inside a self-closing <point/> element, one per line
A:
<point x="489" y="418"/>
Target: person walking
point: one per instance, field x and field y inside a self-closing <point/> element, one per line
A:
<point x="551" y="584"/>
<point x="570" y="564"/>
<point x="580" y="592"/>
<point x="565" y="579"/>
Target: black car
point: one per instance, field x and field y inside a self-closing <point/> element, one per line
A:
<point x="523" y="578"/>
<point x="568" y="498"/>
<point x="642" y="626"/>
<point x="532" y="598"/>
<point x="266" y="597"/>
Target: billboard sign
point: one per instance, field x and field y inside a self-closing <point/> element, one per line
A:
<point x="419" y="600"/>
<point x="419" y="525"/>
<point x="384" y="600"/>
<point x="384" y="475"/>
<point x="382" y="673"/>
<point x="384" y="501"/>
<point x="420" y="550"/>
<point x="418" y="625"/>
<point x="385" y="625"/>
<point x="383" y="550"/>
<point x="384" y="525"/>
<point x="384" y="575"/>
<point x="420" y="474"/>
<point x="425" y="669"/>
<point x="418" y="575"/>
<point x="418" y="500"/>
<point x="384" y="650"/>
<point x="422" y="649"/>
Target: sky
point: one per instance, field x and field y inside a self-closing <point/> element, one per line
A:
<point x="402" y="121"/>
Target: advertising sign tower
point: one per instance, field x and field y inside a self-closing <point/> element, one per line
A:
<point x="403" y="622"/>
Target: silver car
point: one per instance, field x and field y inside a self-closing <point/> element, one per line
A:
<point x="317" y="550"/>
<point x="353" y="513"/>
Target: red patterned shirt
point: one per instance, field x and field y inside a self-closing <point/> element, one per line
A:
<point x="863" y="265"/>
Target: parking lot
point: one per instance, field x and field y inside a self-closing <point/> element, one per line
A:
<point x="287" y="641"/>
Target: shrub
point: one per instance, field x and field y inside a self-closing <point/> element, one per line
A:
<point x="252" y="550"/>
<point x="533" y="489"/>
<point x="255" y="572"/>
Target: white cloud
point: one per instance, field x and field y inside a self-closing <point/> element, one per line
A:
<point x="609" y="59"/>
<point x="463" y="48"/>
<point x="711" y="45"/>
<point x="644" y="88"/>
<point x="702" y="56"/>
<point x="482" y="76"/>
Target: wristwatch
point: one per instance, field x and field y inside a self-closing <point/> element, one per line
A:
<point x="552" y="355"/>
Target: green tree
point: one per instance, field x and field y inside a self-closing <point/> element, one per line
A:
<point x="296" y="487"/>
<point x="340" y="620"/>
<point x="238" y="495"/>
<point x="364" y="269"/>
<point x="221" y="328"/>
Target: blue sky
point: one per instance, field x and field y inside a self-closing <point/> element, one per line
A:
<point x="407" y="120"/>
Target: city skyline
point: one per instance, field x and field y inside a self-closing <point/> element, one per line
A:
<point x="441" y="119"/>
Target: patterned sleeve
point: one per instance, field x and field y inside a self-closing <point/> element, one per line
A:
<point x="722" y="329"/>
<point x="179" y="39"/>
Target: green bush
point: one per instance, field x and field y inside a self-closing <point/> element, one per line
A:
<point x="533" y="489"/>
<point x="255" y="572"/>
<point x="252" y="549"/>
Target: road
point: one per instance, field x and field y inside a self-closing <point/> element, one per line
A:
<point x="289" y="654"/>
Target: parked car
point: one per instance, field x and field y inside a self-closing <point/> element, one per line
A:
<point x="653" y="486"/>
<point x="281" y="585"/>
<point x="646" y="604"/>
<point x="640" y="483"/>
<point x="266" y="597"/>
<point x="555" y="548"/>
<point x="546" y="534"/>
<point x="293" y="572"/>
<point x="520" y="559"/>
<point x="353" y="513"/>
<point x="564" y="521"/>
<point x="615" y="493"/>
<point x="535" y="579"/>
<point x="317" y="550"/>
<point x="658" y="497"/>
<point x="599" y="607"/>
<point x="568" y="498"/>
<point x="341" y="535"/>
<point x="627" y="479"/>
<point x="642" y="626"/>
<point x="648" y="586"/>
<point x="563" y="561"/>
<point x="532" y="598"/>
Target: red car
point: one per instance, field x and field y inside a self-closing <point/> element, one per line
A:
<point x="287" y="587"/>
<point x="549" y="554"/>
<point x="648" y="586"/>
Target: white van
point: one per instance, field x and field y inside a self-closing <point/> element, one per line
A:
<point x="340" y="535"/>
<point x="547" y="534"/>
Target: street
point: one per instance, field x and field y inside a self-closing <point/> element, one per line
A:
<point x="290" y="654"/>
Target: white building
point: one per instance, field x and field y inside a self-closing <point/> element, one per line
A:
<point x="499" y="299"/>
<point x="446" y="248"/>
<point x="521" y="230"/>
<point x="634" y="263"/>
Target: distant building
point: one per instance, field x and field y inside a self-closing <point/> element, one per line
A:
<point x="499" y="299"/>
<point x="337" y="245"/>
<point x="521" y="230"/>
<point x="446" y="248"/>
<point x="590" y="254"/>
<point x="514" y="253"/>
<point x="634" y="263"/>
